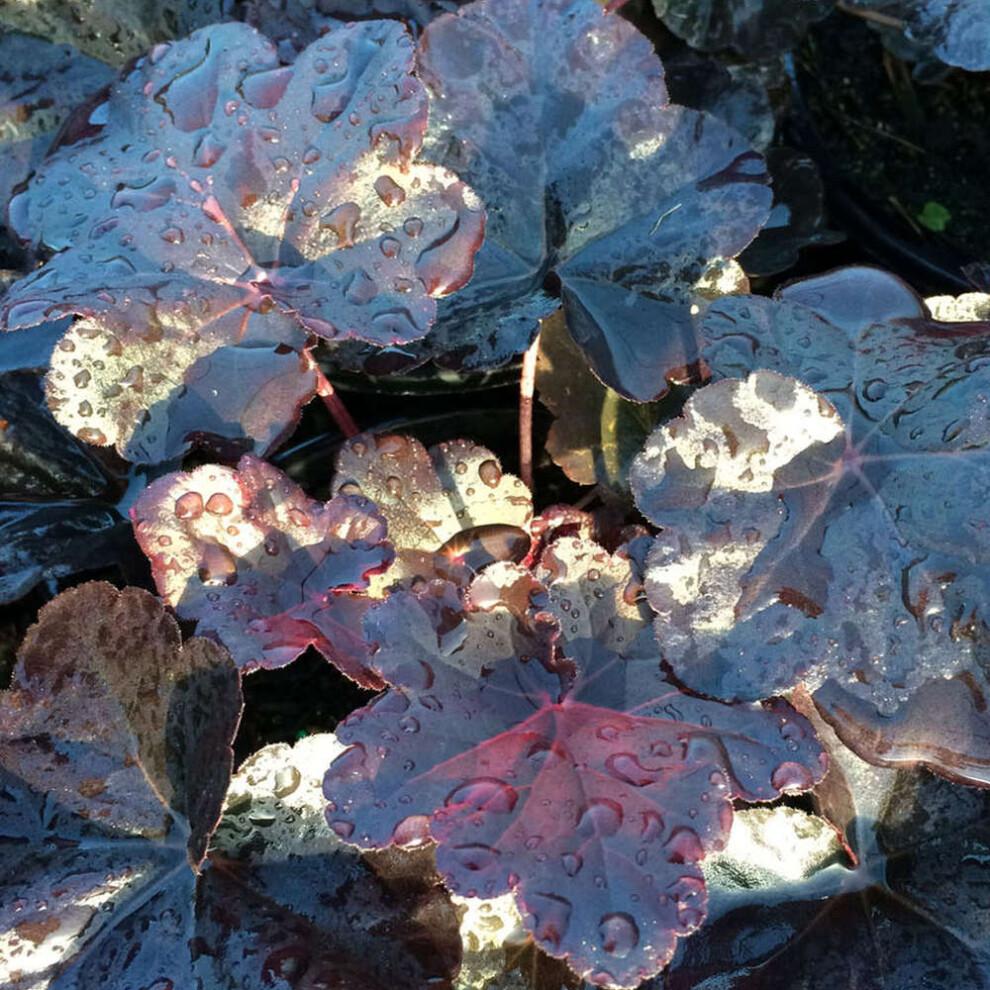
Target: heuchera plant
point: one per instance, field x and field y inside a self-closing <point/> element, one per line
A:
<point x="574" y="702"/>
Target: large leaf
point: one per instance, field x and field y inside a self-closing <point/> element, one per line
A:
<point x="262" y="567"/>
<point x="557" y="114"/>
<point x="114" y="761"/>
<point x="756" y="28"/>
<point x="799" y="544"/>
<point x="582" y="782"/>
<point x="216" y="210"/>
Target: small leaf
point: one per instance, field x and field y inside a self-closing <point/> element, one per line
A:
<point x="262" y="567"/>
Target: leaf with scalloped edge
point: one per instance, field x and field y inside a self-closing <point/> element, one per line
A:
<point x="798" y="547"/>
<point x="262" y="567"/>
<point x="244" y="205"/>
<point x="912" y="375"/>
<point x="755" y="28"/>
<point x="507" y="756"/>
<point x="114" y="760"/>
<point x="557" y="115"/>
<point x="450" y="509"/>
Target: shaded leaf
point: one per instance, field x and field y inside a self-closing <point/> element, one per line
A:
<point x="114" y="757"/>
<point x="39" y="84"/>
<point x="797" y="219"/>
<point x="57" y="515"/>
<point x="913" y="913"/>
<point x="634" y="202"/>
<point x="261" y="566"/>
<point x="283" y="206"/>
<point x="595" y="816"/>
<point x="755" y="28"/>
<point x="596" y="432"/>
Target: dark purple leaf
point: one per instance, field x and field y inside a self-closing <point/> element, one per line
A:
<point x="912" y="913"/>
<point x="284" y="897"/>
<point x="261" y="566"/>
<point x="557" y="114"/>
<point x="583" y="782"/>
<point x="39" y="84"/>
<point x="797" y="219"/>
<point x="56" y="503"/>
<point x="756" y="28"/>
<point x="114" y="761"/>
<point x="217" y="210"/>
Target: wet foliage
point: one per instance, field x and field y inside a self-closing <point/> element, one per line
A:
<point x="676" y="678"/>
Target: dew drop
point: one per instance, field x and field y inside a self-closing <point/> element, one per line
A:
<point x="619" y="934"/>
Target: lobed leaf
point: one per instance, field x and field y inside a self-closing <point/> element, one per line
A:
<point x="590" y="792"/>
<point x="262" y="567"/>
<point x="114" y="760"/>
<point x="218" y="208"/>
<point x="804" y="544"/>
<point x="633" y="201"/>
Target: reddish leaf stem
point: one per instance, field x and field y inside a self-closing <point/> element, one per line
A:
<point x="527" y="389"/>
<point x="335" y="406"/>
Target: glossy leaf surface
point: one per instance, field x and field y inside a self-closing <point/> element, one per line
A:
<point x="219" y="208"/>
<point x="581" y="781"/>
<point x="57" y="515"/>
<point x="557" y="114"/>
<point x="261" y="566"/>
<point x="849" y="558"/>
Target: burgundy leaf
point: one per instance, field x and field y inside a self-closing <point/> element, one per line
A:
<point x="262" y="567"/>
<point x="218" y="202"/>
<point x="114" y="760"/>
<point x="557" y="113"/>
<point x="596" y="817"/>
